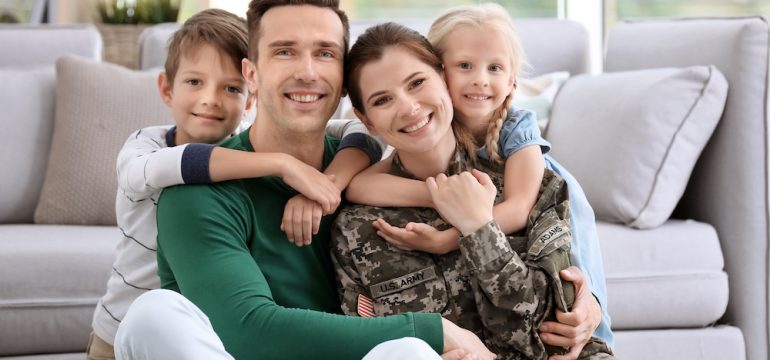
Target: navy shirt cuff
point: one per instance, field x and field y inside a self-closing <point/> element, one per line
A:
<point x="364" y="142"/>
<point x="195" y="163"/>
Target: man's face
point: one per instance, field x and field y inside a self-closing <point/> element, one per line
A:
<point x="299" y="69"/>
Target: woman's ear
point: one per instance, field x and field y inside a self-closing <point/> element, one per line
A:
<point x="365" y="121"/>
<point x="165" y="89"/>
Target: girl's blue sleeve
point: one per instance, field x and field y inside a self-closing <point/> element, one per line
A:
<point x="520" y="130"/>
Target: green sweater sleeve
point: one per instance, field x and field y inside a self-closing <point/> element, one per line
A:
<point x="204" y="253"/>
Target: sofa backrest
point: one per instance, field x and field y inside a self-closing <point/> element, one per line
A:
<point x="41" y="45"/>
<point x="27" y="97"/>
<point x="550" y="44"/>
<point x="729" y="185"/>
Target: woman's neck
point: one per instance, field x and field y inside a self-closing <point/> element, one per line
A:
<point x="433" y="162"/>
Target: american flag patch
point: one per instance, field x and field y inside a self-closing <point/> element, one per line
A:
<point x="365" y="306"/>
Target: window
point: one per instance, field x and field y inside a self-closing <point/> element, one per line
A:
<point x="615" y="10"/>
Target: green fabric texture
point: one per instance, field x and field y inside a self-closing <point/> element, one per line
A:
<point x="220" y="246"/>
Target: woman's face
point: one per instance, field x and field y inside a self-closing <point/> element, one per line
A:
<point x="406" y="101"/>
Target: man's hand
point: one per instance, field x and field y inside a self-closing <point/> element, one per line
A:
<point x="463" y="200"/>
<point x="457" y="338"/>
<point x="301" y="219"/>
<point x="574" y="328"/>
<point x="312" y="183"/>
<point x="418" y="236"/>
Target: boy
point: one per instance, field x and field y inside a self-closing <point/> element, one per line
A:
<point x="208" y="97"/>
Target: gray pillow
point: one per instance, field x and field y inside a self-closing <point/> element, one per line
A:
<point x="632" y="138"/>
<point x="97" y="106"/>
<point x="27" y="100"/>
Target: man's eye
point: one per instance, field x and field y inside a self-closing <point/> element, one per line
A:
<point x="381" y="101"/>
<point x="416" y="83"/>
<point x="193" y="82"/>
<point x="327" y="54"/>
<point x="465" y="66"/>
<point x="282" y="53"/>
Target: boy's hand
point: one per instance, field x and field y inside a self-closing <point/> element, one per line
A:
<point x="312" y="183"/>
<point x="464" y="200"/>
<point x="301" y="219"/>
<point x="418" y="236"/>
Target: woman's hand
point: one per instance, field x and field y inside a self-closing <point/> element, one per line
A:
<point x="575" y="328"/>
<point x="301" y="219"/>
<point x="418" y="236"/>
<point x="464" y="200"/>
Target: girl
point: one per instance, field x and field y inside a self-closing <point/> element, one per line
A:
<point x="482" y="57"/>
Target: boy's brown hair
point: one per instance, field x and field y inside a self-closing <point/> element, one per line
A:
<point x="218" y="28"/>
<point x="258" y="8"/>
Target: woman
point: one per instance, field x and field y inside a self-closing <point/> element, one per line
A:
<point x="486" y="286"/>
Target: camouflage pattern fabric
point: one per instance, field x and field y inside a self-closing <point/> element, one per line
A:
<point x="500" y="287"/>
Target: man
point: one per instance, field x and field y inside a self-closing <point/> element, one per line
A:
<point x="221" y="245"/>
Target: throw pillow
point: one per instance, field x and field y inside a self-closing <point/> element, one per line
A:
<point x="27" y="100"/>
<point x="97" y="106"/>
<point x="632" y="138"/>
<point x="537" y="94"/>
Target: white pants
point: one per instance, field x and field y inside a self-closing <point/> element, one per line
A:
<point x="162" y="324"/>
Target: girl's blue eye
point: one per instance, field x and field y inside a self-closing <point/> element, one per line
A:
<point x="465" y="66"/>
<point x="495" y="68"/>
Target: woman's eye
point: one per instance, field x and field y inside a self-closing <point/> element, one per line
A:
<point x="465" y="66"/>
<point x="380" y="101"/>
<point x="416" y="83"/>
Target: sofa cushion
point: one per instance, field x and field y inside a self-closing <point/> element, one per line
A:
<point x="41" y="45"/>
<point x="97" y="106"/>
<point x="711" y="343"/>
<point x="52" y="277"/>
<point x="670" y="276"/>
<point x="642" y="131"/>
<point x="27" y="98"/>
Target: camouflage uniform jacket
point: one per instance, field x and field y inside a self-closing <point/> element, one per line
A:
<point x="500" y="287"/>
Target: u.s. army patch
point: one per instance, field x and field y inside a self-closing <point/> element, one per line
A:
<point x="403" y="282"/>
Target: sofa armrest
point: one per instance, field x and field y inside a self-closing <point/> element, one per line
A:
<point x="729" y="186"/>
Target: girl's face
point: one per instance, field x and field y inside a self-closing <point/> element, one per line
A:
<point x="477" y="65"/>
<point x="406" y="102"/>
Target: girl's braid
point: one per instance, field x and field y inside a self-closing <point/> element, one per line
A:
<point x="493" y="131"/>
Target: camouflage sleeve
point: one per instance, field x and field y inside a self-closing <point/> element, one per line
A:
<point x="349" y="284"/>
<point x="512" y="296"/>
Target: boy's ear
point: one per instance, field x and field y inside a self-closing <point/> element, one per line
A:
<point x="366" y="122"/>
<point x="165" y="89"/>
<point x="249" y="72"/>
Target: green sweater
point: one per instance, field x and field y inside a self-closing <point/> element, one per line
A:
<point x="220" y="246"/>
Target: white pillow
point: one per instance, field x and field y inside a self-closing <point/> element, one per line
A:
<point x="27" y="99"/>
<point x="97" y="106"/>
<point x="537" y="94"/>
<point x="632" y="138"/>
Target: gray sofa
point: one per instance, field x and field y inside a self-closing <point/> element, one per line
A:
<point x="695" y="287"/>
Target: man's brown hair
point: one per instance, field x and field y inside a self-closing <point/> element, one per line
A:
<point x="258" y="8"/>
<point x="218" y="28"/>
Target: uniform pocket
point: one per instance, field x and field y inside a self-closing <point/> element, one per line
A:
<point x="401" y="281"/>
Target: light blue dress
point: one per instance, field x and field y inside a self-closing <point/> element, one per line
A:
<point x="520" y="130"/>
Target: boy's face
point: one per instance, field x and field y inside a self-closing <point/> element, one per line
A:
<point x="208" y="98"/>
<point x="298" y="74"/>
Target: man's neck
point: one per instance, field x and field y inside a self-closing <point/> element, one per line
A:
<point x="265" y="136"/>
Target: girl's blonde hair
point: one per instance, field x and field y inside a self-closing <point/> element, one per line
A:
<point x="479" y="16"/>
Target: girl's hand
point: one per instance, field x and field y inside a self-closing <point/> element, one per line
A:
<point x="464" y="200"/>
<point x="301" y="220"/>
<point x="418" y="236"/>
<point x="311" y="183"/>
